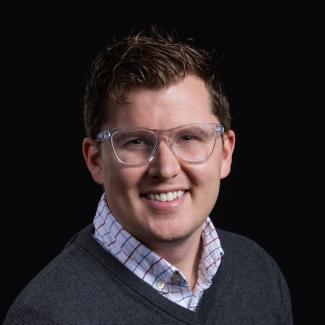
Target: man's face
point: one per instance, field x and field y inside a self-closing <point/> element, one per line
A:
<point x="128" y="188"/>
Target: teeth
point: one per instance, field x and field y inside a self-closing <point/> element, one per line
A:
<point x="169" y="196"/>
<point x="163" y="197"/>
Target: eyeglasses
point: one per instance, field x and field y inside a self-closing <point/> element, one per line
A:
<point x="193" y="143"/>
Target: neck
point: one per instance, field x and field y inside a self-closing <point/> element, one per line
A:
<point x="185" y="255"/>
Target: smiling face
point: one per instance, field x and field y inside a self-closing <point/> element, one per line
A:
<point x="167" y="199"/>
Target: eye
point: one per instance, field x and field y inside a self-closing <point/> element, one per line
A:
<point x="187" y="137"/>
<point x="135" y="142"/>
<point x="190" y="138"/>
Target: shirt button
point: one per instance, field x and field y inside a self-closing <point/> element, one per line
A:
<point x="160" y="284"/>
<point x="176" y="276"/>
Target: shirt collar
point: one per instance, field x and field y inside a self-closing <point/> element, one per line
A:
<point x="144" y="262"/>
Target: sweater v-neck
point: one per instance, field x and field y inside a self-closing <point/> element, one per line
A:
<point x="146" y="293"/>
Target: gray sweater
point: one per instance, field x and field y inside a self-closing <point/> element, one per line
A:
<point x="86" y="285"/>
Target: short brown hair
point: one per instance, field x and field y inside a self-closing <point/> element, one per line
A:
<point x="152" y="59"/>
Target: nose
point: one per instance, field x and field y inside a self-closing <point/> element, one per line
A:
<point x="164" y="165"/>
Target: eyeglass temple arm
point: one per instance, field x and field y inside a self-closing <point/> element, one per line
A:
<point x="103" y="135"/>
<point x="220" y="129"/>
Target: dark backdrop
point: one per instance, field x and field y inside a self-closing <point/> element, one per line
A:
<point x="272" y="58"/>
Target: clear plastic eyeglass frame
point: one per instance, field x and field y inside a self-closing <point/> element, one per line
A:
<point x="108" y="136"/>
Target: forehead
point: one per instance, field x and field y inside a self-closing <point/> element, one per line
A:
<point x="187" y="101"/>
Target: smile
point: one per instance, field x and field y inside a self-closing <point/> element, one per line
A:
<point x="165" y="197"/>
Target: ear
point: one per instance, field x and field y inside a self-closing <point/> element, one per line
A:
<point x="93" y="159"/>
<point x="228" y="149"/>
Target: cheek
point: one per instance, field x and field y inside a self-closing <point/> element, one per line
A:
<point x="205" y="179"/>
<point x="121" y="181"/>
<point x="208" y="172"/>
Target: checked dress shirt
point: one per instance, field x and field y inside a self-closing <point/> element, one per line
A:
<point x="153" y="269"/>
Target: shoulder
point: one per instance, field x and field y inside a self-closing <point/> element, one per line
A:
<point x="246" y="259"/>
<point x="243" y="250"/>
<point x="250" y="266"/>
<point x="247" y="268"/>
<point x="250" y="282"/>
<point x="48" y="296"/>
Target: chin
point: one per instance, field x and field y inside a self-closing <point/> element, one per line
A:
<point x="169" y="238"/>
<point x="171" y="234"/>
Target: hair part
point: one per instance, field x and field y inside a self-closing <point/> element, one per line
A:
<point x="153" y="60"/>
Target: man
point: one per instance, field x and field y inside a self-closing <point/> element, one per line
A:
<point x="159" y="142"/>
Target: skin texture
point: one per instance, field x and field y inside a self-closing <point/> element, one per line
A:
<point x="171" y="229"/>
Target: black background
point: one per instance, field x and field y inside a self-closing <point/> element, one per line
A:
<point x="272" y="58"/>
